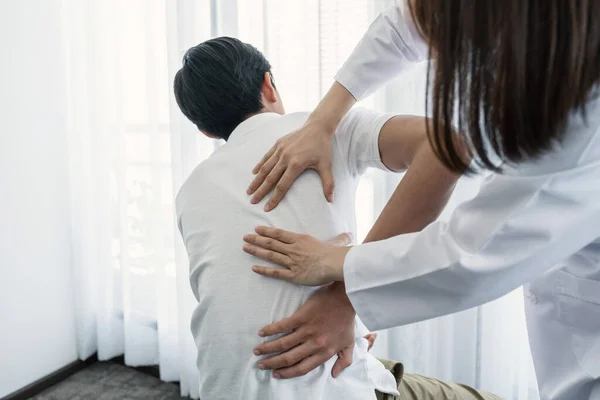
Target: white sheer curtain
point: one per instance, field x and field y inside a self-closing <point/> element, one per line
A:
<point x="130" y="150"/>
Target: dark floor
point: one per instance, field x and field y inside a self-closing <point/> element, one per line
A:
<point x="111" y="381"/>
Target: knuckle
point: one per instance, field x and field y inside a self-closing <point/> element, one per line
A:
<point x="303" y="370"/>
<point x="263" y="170"/>
<point x="269" y="242"/>
<point x="321" y="342"/>
<point x="310" y="332"/>
<point x="287" y="360"/>
<point x="295" y="163"/>
<point x="281" y="187"/>
<point x="282" y="346"/>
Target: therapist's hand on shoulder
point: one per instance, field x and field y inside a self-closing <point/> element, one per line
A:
<point x="306" y="148"/>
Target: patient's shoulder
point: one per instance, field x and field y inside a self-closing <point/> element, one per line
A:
<point x="197" y="179"/>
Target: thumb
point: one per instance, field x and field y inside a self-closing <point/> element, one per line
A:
<point x="344" y="361"/>
<point x="343" y="239"/>
<point x="324" y="170"/>
<point x="371" y="339"/>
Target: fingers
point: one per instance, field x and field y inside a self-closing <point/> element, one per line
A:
<point x="281" y="344"/>
<point x="371" y="339"/>
<point x="344" y="361"/>
<point x="324" y="171"/>
<point x="260" y="177"/>
<point x="343" y="239"/>
<point x="277" y="234"/>
<point x="285" y="325"/>
<point x="264" y="160"/>
<point x="269" y="182"/>
<point x="289" y="358"/>
<point x="303" y="367"/>
<point x="281" y="274"/>
<point x="267" y="255"/>
<point x="267" y="243"/>
<point x="289" y="176"/>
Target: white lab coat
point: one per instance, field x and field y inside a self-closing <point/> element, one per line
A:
<point x="537" y="224"/>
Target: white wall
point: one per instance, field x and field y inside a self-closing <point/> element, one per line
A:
<point x="37" y="330"/>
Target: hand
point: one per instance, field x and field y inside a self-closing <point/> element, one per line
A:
<point x="371" y="339"/>
<point x="322" y="327"/>
<point x="345" y="355"/>
<point x="307" y="261"/>
<point x="307" y="148"/>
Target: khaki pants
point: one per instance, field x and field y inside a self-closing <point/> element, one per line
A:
<point x="413" y="387"/>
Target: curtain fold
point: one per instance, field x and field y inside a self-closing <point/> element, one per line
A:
<point x="130" y="149"/>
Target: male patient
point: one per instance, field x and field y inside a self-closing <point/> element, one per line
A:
<point x="226" y="89"/>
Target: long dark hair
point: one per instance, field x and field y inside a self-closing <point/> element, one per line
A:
<point x="511" y="71"/>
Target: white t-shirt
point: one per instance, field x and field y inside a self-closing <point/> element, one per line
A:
<point x="214" y="213"/>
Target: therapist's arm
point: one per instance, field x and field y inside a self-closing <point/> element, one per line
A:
<point x="426" y="187"/>
<point x="418" y="200"/>
<point x="389" y="46"/>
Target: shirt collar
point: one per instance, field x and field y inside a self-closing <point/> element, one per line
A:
<point x="252" y="123"/>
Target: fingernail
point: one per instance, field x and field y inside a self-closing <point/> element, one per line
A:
<point x="260" y="333"/>
<point x="267" y="207"/>
<point x="276" y="375"/>
<point x="253" y="201"/>
<point x="257" y="352"/>
<point x="331" y="198"/>
<point x="261" y="366"/>
<point x="246" y="247"/>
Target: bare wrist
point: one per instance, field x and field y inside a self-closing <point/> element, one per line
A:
<point x="332" y="108"/>
<point x="336" y="262"/>
<point x="322" y="123"/>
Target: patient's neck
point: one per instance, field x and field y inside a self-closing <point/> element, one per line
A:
<point x="266" y="109"/>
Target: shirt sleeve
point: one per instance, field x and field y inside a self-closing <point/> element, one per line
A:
<point x="391" y="44"/>
<point x="514" y="230"/>
<point x="357" y="138"/>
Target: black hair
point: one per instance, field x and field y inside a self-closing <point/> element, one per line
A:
<point x="219" y="84"/>
<point x="512" y="71"/>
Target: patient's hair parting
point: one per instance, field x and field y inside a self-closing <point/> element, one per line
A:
<point x="219" y="84"/>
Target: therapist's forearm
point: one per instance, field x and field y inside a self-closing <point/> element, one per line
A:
<point x="332" y="108"/>
<point x="419" y="198"/>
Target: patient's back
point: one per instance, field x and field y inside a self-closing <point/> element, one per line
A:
<point x="214" y="212"/>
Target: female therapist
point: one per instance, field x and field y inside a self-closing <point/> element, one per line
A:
<point x="521" y="79"/>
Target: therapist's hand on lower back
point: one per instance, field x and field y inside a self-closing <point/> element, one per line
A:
<point x="307" y="148"/>
<point x="311" y="342"/>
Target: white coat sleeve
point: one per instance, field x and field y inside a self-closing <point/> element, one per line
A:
<point x="515" y="229"/>
<point x="390" y="45"/>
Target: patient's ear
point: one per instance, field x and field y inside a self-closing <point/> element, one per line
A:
<point x="268" y="88"/>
